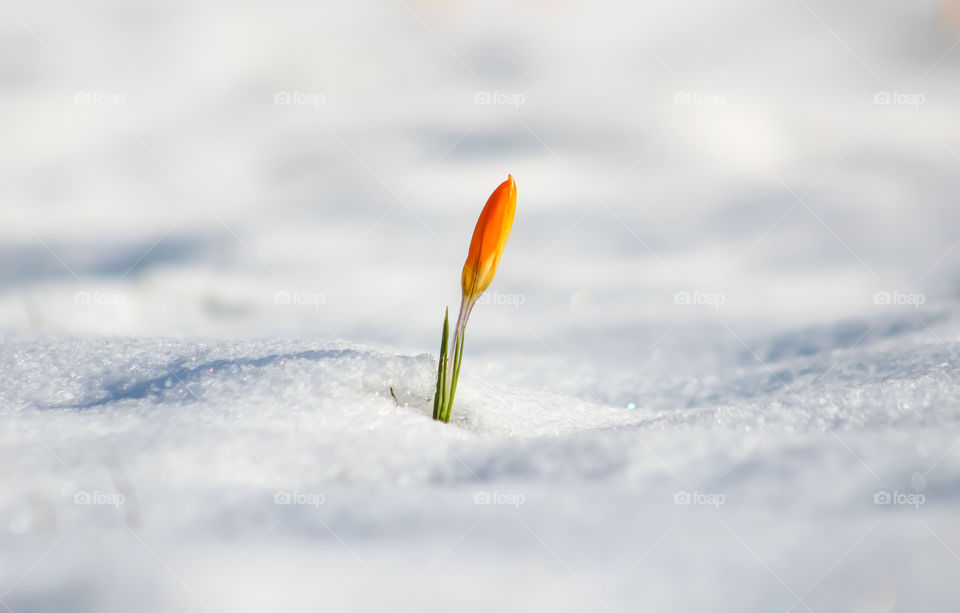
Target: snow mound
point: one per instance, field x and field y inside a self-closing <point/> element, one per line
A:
<point x="235" y="474"/>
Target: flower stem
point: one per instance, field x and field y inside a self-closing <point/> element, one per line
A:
<point x="449" y="374"/>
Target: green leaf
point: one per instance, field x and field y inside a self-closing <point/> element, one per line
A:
<point x="439" y="398"/>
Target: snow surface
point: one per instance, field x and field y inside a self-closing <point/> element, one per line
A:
<point x="219" y="315"/>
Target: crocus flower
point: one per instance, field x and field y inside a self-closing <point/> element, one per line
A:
<point x="489" y="238"/>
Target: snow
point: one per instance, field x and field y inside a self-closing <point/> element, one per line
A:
<point x="717" y="370"/>
<point x="200" y="437"/>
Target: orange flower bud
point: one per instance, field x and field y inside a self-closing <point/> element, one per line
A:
<point x="489" y="239"/>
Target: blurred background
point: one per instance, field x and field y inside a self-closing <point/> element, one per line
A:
<point x="688" y="172"/>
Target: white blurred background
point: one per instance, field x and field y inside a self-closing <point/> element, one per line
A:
<point x="312" y="170"/>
